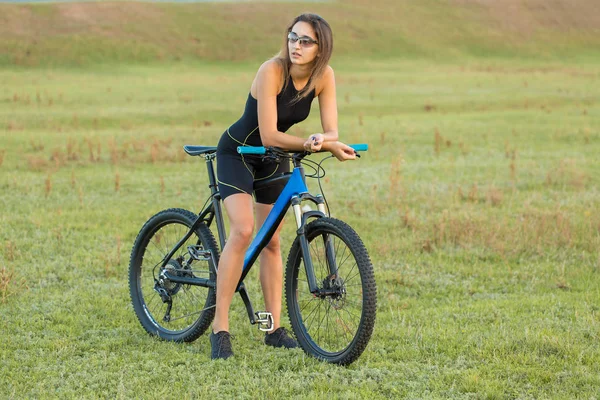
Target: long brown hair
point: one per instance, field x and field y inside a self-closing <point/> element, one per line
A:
<point x="325" y="39"/>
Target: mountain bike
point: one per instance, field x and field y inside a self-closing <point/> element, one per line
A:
<point x="330" y="289"/>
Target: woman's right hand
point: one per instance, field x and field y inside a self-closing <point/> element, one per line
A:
<point x="341" y="151"/>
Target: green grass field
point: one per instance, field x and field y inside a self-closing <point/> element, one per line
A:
<point x="478" y="202"/>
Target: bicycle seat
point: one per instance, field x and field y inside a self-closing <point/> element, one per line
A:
<point x="199" y="150"/>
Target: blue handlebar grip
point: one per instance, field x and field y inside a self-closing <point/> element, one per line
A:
<point x="251" y="150"/>
<point x="360" y="146"/>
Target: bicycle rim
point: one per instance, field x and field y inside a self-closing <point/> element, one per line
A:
<point x="335" y="327"/>
<point x="189" y="303"/>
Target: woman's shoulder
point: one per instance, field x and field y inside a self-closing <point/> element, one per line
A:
<point x="269" y="75"/>
<point x="327" y="78"/>
<point x="271" y="67"/>
<point x="328" y="74"/>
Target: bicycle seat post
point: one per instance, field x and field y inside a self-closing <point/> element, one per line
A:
<point x="211" y="173"/>
<point x="216" y="197"/>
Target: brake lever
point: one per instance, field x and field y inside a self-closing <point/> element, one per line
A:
<point x="271" y="154"/>
<point x="271" y="158"/>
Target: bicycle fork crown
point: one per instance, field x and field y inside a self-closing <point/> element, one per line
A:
<point x="264" y="321"/>
<point x="298" y="210"/>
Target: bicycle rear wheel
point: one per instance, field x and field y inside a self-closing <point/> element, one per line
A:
<point x="173" y="311"/>
<point x="336" y="324"/>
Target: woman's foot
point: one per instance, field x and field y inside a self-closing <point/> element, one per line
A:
<point x="220" y="344"/>
<point x="280" y="338"/>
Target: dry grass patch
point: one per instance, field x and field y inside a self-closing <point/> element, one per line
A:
<point x="36" y="163"/>
<point x="128" y="152"/>
<point x="531" y="232"/>
<point x="526" y="17"/>
<point x="567" y="174"/>
<point x="10" y="284"/>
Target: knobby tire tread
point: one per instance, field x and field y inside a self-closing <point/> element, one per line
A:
<point x="207" y="238"/>
<point x="363" y="261"/>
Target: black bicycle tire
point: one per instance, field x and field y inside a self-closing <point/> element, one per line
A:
<point x="369" y="292"/>
<point x="156" y="222"/>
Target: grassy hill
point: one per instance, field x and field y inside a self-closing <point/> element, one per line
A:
<point x="114" y="32"/>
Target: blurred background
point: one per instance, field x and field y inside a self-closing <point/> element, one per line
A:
<point x="87" y="33"/>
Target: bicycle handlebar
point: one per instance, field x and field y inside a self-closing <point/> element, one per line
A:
<point x="263" y="150"/>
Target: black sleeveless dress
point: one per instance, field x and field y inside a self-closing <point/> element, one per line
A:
<point x="236" y="173"/>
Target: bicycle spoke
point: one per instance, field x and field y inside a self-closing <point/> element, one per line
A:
<point x="352" y="277"/>
<point x="317" y="304"/>
<point x="303" y="280"/>
<point x="344" y="324"/>
<point x="150" y="304"/>
<point x="178" y="235"/>
<point x="317" y="252"/>
<point x="352" y="329"/>
<point x="307" y="303"/>
<point x="327" y="325"/>
<point x="347" y="257"/>
<point x="194" y="313"/>
<point x="193" y="300"/>
<point x="153" y="253"/>
<point x="352" y="302"/>
<point x="321" y="323"/>
<point x="318" y="307"/>
<point x="158" y="242"/>
<point x="317" y="262"/>
<point x="187" y="299"/>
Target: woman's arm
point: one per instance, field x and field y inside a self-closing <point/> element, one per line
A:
<point x="267" y="87"/>
<point x="329" y="119"/>
<point x="328" y="107"/>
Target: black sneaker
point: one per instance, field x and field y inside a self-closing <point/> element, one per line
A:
<point x="280" y="338"/>
<point x="220" y="344"/>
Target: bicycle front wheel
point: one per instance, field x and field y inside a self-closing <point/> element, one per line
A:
<point x="173" y="311"/>
<point x="336" y="323"/>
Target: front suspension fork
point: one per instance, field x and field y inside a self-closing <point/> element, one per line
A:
<point x="301" y="218"/>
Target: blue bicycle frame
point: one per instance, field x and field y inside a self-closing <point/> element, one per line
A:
<point x="294" y="188"/>
<point x="294" y="192"/>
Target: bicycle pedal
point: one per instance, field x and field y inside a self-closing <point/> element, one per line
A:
<point x="264" y="321"/>
<point x="199" y="254"/>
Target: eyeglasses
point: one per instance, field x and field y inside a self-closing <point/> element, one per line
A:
<point x="305" y="41"/>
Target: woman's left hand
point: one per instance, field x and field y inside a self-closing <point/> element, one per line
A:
<point x="314" y="142"/>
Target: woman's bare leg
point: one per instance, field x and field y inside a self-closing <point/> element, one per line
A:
<point x="271" y="268"/>
<point x="241" y="219"/>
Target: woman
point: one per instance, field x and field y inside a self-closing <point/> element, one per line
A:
<point x="280" y="96"/>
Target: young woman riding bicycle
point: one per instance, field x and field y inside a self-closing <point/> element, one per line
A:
<point x="280" y="96"/>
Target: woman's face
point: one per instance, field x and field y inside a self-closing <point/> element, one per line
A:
<point x="303" y="51"/>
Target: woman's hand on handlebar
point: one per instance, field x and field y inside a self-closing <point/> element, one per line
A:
<point x="314" y="142"/>
<point x="341" y="151"/>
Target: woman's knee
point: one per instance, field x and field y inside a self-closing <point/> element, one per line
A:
<point x="241" y="234"/>
<point x="274" y="244"/>
<point x="241" y="219"/>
